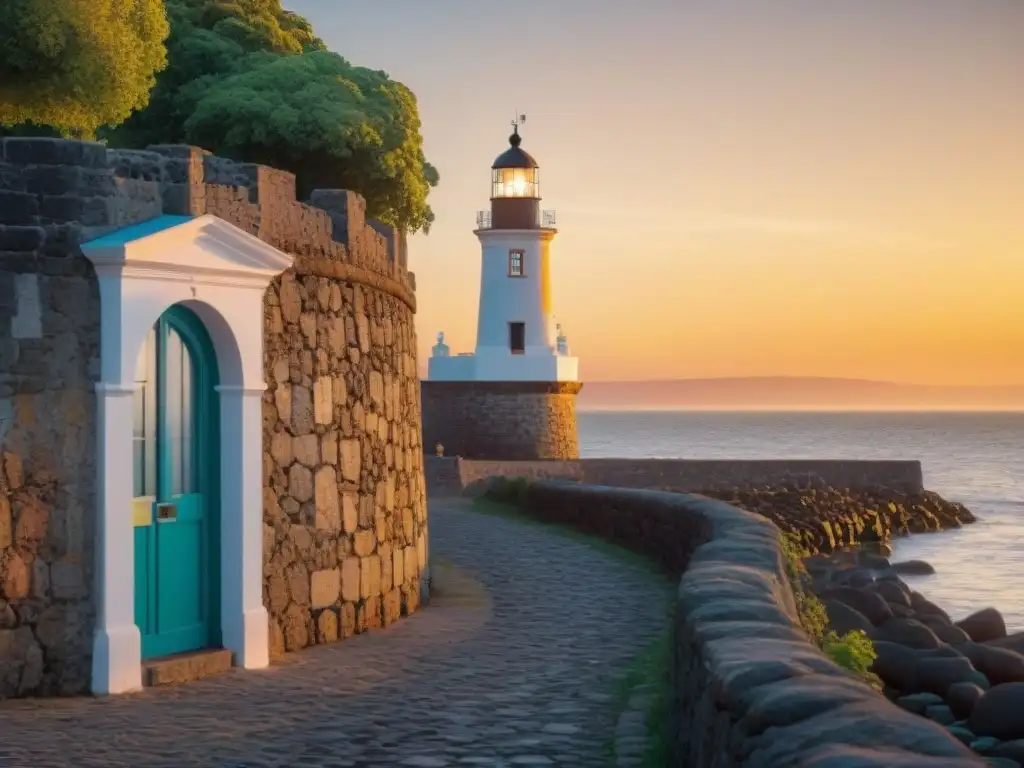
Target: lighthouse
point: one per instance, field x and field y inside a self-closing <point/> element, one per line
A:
<point x="513" y="397"/>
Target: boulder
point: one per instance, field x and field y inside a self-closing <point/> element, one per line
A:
<point x="945" y="631"/>
<point x="908" y="632"/>
<point x="1014" y="642"/>
<point x="940" y="714"/>
<point x="842" y="618"/>
<point x="961" y="732"/>
<point x="913" y="568"/>
<point x="867" y="603"/>
<point x="901" y="611"/>
<point x="894" y="593"/>
<point x="961" y="698"/>
<point x="936" y="675"/>
<point x="1012" y="750"/>
<point x="924" y="606"/>
<point x="894" y="663"/>
<point x="987" y="624"/>
<point x="918" y="703"/>
<point x="1000" y="713"/>
<point x="999" y="665"/>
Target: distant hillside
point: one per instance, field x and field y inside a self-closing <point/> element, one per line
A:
<point x="785" y="393"/>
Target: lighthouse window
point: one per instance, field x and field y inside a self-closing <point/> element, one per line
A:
<point x="515" y="263"/>
<point x="517" y="338"/>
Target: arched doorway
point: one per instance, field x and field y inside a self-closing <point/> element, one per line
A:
<point x="176" y="499"/>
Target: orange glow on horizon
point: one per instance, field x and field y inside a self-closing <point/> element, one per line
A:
<point x="769" y="189"/>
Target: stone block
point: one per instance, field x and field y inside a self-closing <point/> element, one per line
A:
<point x="16" y="580"/>
<point x="350" y="512"/>
<point x="67" y="580"/>
<point x="398" y="566"/>
<point x="302" y="410"/>
<point x="306" y="449"/>
<point x="369" y="583"/>
<point x="387" y="568"/>
<point x="364" y="543"/>
<point x="323" y="400"/>
<point x="300" y="483"/>
<point x="281" y="449"/>
<point x="324" y="587"/>
<point x="328" y="513"/>
<point x="347" y="618"/>
<point x="327" y="626"/>
<point x="392" y="605"/>
<point x="411" y="563"/>
<point x="368" y="615"/>
<point x="350" y="577"/>
<point x="351" y="460"/>
<point x="6" y="523"/>
<point x="329" y="448"/>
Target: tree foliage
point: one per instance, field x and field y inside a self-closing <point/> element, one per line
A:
<point x="78" y="64"/>
<point x="210" y="39"/>
<point x="249" y="80"/>
<point x="330" y="123"/>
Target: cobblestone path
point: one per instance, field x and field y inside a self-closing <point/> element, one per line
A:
<point x="514" y="667"/>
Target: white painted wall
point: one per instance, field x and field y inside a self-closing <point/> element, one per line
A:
<point x="505" y="299"/>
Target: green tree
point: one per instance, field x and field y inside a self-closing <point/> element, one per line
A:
<point x="78" y="64"/>
<point x="210" y="39"/>
<point x="330" y="123"/>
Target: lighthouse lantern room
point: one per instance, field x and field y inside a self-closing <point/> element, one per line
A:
<point x="518" y="338"/>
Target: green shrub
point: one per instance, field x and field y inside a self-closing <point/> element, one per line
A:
<point x="507" y="490"/>
<point x="853" y="651"/>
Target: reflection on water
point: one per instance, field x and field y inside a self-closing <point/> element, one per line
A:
<point x="974" y="458"/>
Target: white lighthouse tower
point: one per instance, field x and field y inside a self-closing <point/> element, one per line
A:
<point x="522" y="360"/>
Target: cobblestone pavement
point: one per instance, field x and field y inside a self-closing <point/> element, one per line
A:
<point x="518" y="672"/>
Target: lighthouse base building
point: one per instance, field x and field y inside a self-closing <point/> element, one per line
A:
<point x="514" y="397"/>
<point x="506" y="420"/>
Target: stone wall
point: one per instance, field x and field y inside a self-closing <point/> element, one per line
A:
<point x="748" y="687"/>
<point x="680" y="475"/>
<point x="343" y="397"/>
<point x="510" y="421"/>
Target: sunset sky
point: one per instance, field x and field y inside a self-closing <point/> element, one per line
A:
<point x="743" y="188"/>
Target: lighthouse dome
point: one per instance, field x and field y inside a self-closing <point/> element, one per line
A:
<point x="515" y="156"/>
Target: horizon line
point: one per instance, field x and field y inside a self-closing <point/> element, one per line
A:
<point x="783" y="377"/>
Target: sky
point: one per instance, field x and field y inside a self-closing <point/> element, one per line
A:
<point x="770" y="188"/>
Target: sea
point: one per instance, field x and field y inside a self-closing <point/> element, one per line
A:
<point x="974" y="458"/>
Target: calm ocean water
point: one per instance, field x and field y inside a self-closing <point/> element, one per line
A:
<point x="973" y="458"/>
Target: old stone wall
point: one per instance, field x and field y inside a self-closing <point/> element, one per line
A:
<point x="510" y="421"/>
<point x="686" y="475"/>
<point x="748" y="687"/>
<point x="345" y="521"/>
<point x="344" y="396"/>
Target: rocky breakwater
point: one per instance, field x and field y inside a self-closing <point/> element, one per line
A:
<point x="965" y="675"/>
<point x="823" y="519"/>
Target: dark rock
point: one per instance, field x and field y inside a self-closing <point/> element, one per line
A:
<point x="869" y="604"/>
<point x="1000" y="762"/>
<point x="1000" y="713"/>
<point x="936" y="675"/>
<point x="961" y="698"/>
<point x="962" y="733"/>
<point x="893" y="592"/>
<point x="1013" y="750"/>
<point x="984" y="744"/>
<point x="914" y="568"/>
<point x="918" y="703"/>
<point x="901" y="611"/>
<point x="908" y="632"/>
<point x="946" y="632"/>
<point x="940" y="714"/>
<point x="1000" y="665"/>
<point x="1013" y="642"/>
<point x="895" y="664"/>
<point x="842" y="618"/>
<point x="985" y="625"/>
<point x="924" y="606"/>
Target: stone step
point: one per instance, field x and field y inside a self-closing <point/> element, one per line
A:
<point x="186" y="667"/>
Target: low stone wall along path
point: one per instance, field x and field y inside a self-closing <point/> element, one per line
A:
<point x="514" y="664"/>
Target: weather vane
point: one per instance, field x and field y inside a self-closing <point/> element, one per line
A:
<point x="517" y="121"/>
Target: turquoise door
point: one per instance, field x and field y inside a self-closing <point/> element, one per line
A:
<point x="176" y="472"/>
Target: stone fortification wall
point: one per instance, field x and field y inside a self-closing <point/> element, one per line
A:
<point x="508" y="421"/>
<point x="343" y="396"/>
<point x="683" y="475"/>
<point x="748" y="687"/>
